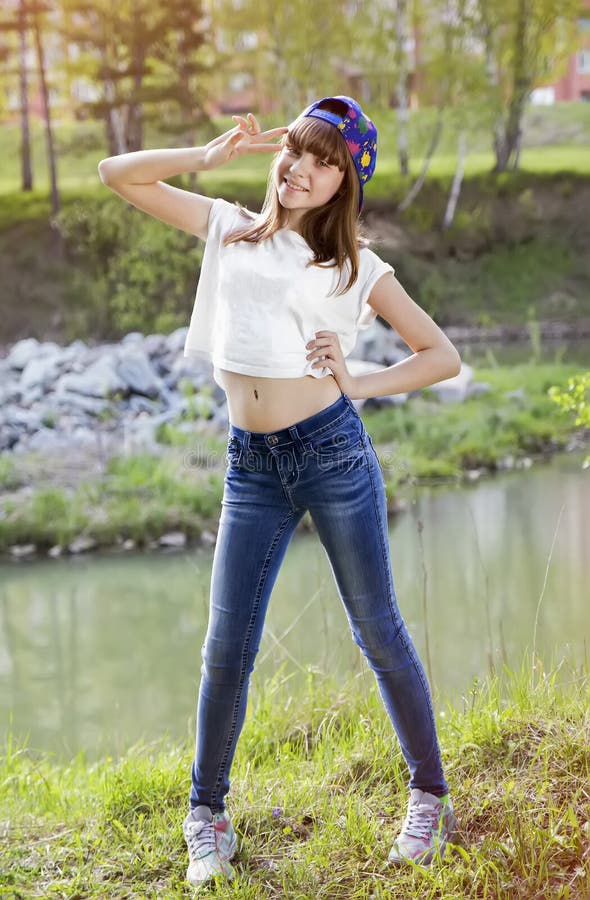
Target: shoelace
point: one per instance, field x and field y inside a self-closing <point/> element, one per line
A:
<point x="200" y="837"/>
<point x="420" y="820"/>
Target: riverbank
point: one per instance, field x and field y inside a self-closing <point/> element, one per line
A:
<point x="55" y="504"/>
<point x="517" y="250"/>
<point x="318" y="794"/>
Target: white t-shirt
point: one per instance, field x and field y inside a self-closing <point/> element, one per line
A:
<point x="257" y="305"/>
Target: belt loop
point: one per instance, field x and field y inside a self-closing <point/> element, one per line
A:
<point x="246" y="443"/>
<point x="296" y="437"/>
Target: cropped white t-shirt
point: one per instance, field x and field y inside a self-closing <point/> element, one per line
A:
<point x="257" y="305"/>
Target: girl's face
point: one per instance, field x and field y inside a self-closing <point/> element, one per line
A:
<point x="304" y="181"/>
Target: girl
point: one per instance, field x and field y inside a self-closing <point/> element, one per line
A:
<point x="280" y="300"/>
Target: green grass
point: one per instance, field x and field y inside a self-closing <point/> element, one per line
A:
<point x="427" y="439"/>
<point x="142" y="496"/>
<point x="318" y="792"/>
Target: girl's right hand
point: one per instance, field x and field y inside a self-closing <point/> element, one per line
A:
<point x="246" y="137"/>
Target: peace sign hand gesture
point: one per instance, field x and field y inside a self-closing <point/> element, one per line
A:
<point x="246" y="137"/>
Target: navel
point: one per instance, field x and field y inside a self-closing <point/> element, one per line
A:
<point x="256" y="393"/>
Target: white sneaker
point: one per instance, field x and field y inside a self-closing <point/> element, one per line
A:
<point x="429" y="825"/>
<point x="211" y="842"/>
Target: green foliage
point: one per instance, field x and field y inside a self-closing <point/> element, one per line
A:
<point x="136" y="273"/>
<point x="319" y="790"/>
<point x="9" y="478"/>
<point x="575" y="398"/>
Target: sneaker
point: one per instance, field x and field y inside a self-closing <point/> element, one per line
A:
<point x="211" y="842"/>
<point x="430" y="822"/>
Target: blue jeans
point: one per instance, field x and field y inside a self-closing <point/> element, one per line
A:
<point x="325" y="464"/>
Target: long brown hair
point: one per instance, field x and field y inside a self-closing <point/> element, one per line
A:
<point x="333" y="231"/>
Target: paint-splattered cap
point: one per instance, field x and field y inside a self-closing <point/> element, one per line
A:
<point x="357" y="130"/>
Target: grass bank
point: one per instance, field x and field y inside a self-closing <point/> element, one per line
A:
<point x="140" y="497"/>
<point x="319" y="790"/>
<point x="519" y="240"/>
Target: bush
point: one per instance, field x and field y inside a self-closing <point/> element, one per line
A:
<point x="136" y="273"/>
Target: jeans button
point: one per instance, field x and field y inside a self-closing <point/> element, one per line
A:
<point x="273" y="439"/>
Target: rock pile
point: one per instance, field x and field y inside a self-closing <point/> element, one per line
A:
<point x="54" y="397"/>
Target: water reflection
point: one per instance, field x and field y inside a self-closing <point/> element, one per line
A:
<point x="96" y="653"/>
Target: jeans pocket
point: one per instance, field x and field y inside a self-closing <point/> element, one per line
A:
<point x="234" y="451"/>
<point x="338" y="443"/>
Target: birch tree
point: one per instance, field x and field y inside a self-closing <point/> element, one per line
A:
<point x="526" y="43"/>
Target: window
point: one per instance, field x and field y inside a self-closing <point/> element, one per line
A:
<point x="584" y="62"/>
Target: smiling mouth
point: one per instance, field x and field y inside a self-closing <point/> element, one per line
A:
<point x="294" y="187"/>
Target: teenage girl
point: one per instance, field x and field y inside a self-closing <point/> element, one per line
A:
<point x="281" y="297"/>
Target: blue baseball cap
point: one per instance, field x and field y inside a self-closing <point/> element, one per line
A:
<point x="357" y="130"/>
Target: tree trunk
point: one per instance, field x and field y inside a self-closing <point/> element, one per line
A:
<point x="134" y="137"/>
<point x="417" y="186"/>
<point x="492" y="77"/>
<point x="457" y="182"/>
<point x="508" y="146"/>
<point x="55" y="201"/>
<point x="26" y="168"/>
<point x="402" y="85"/>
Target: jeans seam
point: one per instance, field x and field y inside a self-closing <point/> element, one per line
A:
<point x="399" y="632"/>
<point x="244" y="661"/>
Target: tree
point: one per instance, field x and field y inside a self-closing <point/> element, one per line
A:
<point x="525" y="41"/>
<point x="144" y="57"/>
<point x="36" y="11"/>
<point x="18" y="26"/>
<point x="301" y="48"/>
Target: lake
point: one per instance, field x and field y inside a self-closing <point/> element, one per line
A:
<point x="97" y="652"/>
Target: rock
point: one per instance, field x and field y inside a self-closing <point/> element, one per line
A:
<point x="39" y="372"/>
<point x="28" y="398"/>
<point x="155" y="344"/>
<point x="135" y="371"/>
<point x="455" y="389"/>
<point x="172" y="539"/>
<point x="518" y="394"/>
<point x="55" y="551"/>
<point x="22" y="352"/>
<point x="365" y="367"/>
<point x="20" y="551"/>
<point x="9" y="436"/>
<point x="379" y="344"/>
<point x="208" y="539"/>
<point x="89" y="405"/>
<point x="128" y="544"/>
<point x="477" y="388"/>
<point x="175" y="340"/>
<point x="506" y="462"/>
<point x="189" y="370"/>
<point x="137" y="404"/>
<point x="134" y="337"/>
<point x="99" y="380"/>
<point x="81" y="544"/>
<point x="46" y="440"/>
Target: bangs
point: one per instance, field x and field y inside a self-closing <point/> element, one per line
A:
<point x="320" y="138"/>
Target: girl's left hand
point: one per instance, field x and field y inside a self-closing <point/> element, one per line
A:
<point x="327" y="344"/>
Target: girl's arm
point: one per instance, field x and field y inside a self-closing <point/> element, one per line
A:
<point x="138" y="176"/>
<point x="435" y="357"/>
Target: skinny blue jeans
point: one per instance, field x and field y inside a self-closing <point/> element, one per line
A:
<point x="325" y="464"/>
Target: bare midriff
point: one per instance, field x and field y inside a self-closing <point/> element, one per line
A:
<point x="268" y="404"/>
